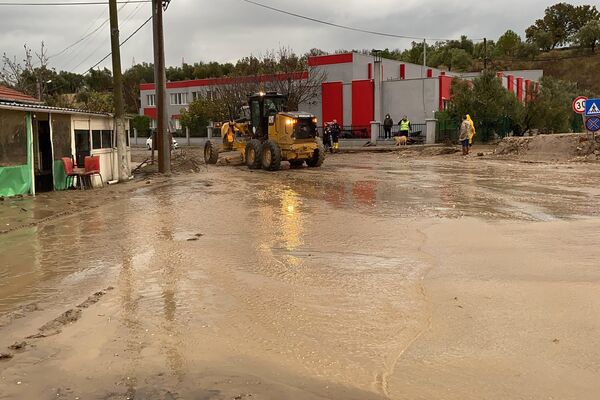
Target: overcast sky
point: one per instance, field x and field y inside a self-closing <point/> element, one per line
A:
<point x="226" y="30"/>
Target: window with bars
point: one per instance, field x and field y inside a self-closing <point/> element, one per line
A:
<point x="151" y="98"/>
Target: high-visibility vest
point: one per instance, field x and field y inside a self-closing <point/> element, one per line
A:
<point x="404" y="125"/>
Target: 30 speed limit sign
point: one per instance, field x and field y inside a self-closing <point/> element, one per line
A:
<point x="579" y="104"/>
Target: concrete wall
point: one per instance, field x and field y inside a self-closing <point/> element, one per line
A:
<point x="403" y="97"/>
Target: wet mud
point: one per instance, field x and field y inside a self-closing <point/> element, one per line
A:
<point x="377" y="276"/>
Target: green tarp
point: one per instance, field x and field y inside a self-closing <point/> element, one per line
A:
<point x="59" y="175"/>
<point x="15" y="180"/>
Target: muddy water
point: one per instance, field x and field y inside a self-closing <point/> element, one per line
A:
<point x="375" y="277"/>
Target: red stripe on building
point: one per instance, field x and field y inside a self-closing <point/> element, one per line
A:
<point x="150" y="112"/>
<point x="363" y="103"/>
<point x="229" y="80"/>
<point x="520" y="89"/>
<point x="315" y="61"/>
<point x="445" y="89"/>
<point x="333" y="102"/>
<point x="511" y="83"/>
<point x="402" y="71"/>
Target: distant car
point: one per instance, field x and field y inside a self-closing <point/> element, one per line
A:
<point x="149" y="143"/>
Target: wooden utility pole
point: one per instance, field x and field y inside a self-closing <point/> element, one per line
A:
<point x="160" y="78"/>
<point x="485" y="59"/>
<point x="119" y="131"/>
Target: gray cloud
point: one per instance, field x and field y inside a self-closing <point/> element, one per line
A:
<point x="226" y="30"/>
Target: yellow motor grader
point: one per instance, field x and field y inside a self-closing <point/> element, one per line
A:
<point x="270" y="136"/>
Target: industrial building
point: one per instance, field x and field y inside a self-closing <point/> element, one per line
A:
<point x="357" y="90"/>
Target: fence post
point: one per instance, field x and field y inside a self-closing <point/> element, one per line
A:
<point x="375" y="127"/>
<point x="430" y="125"/>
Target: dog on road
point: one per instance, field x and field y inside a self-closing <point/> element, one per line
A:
<point x="400" y="140"/>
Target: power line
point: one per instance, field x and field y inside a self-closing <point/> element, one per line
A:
<point x="81" y="49"/>
<point x="350" y="28"/>
<point x="74" y="3"/>
<point x="122" y="43"/>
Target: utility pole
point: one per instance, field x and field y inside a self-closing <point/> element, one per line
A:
<point x="485" y="54"/>
<point x="424" y="57"/>
<point x="160" y="78"/>
<point x="123" y="162"/>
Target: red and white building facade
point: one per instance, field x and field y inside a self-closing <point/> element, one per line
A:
<point x="358" y="89"/>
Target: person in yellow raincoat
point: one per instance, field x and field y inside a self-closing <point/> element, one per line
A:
<point x="472" y="133"/>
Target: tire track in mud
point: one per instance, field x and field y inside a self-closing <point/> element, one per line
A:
<point x="55" y="326"/>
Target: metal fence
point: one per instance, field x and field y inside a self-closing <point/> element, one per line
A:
<point x="352" y="132"/>
<point x="448" y="131"/>
<point x="417" y="132"/>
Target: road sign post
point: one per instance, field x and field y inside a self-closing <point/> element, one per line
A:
<point x="592" y="116"/>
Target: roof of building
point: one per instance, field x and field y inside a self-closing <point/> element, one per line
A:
<point x="230" y="80"/>
<point x="8" y="105"/>
<point x="8" y="94"/>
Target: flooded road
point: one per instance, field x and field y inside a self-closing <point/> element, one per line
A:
<point x="374" y="277"/>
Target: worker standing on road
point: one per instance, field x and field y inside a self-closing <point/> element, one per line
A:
<point x="335" y="135"/>
<point x="472" y="133"/>
<point x="388" y="122"/>
<point x="464" y="133"/>
<point x="327" y="137"/>
<point x="404" y="126"/>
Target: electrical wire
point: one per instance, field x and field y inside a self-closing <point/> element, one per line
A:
<point x="74" y="3"/>
<point x="350" y="28"/>
<point x="121" y="44"/>
<point x="74" y="56"/>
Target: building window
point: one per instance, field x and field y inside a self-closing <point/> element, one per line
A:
<point x="178" y="99"/>
<point x="102" y="139"/>
<point x="151" y="98"/>
<point x="210" y="95"/>
<point x="177" y="124"/>
<point x="196" y="96"/>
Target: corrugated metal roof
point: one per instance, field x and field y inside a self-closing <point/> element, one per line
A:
<point x="8" y="94"/>
<point x="6" y="105"/>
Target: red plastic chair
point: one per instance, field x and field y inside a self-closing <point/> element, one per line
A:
<point x="70" y="172"/>
<point x="92" y="167"/>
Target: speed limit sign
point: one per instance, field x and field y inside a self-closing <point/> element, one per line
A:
<point x="579" y="104"/>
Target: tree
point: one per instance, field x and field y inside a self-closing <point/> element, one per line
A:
<point x="550" y="110"/>
<point x="562" y="22"/>
<point x="201" y="111"/>
<point x="24" y="76"/>
<point x="460" y="60"/>
<point x="141" y="124"/>
<point x="96" y="101"/>
<point x="589" y="35"/>
<point x="140" y="73"/>
<point x="508" y="44"/>
<point x="99" y="80"/>
<point x="556" y="21"/>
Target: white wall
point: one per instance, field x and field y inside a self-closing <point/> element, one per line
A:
<point x="404" y="97"/>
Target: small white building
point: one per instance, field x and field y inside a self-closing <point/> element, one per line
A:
<point x="34" y="138"/>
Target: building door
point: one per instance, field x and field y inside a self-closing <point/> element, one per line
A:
<point x="44" y="178"/>
<point x="82" y="146"/>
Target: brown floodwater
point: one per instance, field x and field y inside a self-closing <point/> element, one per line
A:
<point x="373" y="277"/>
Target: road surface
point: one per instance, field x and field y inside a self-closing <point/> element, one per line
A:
<point x="377" y="276"/>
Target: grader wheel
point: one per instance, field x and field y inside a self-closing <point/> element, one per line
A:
<point x="253" y="154"/>
<point x="211" y="153"/>
<point x="271" y="156"/>
<point x="318" y="156"/>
